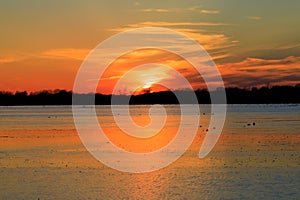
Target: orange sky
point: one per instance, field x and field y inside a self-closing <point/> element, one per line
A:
<point x="44" y="43"/>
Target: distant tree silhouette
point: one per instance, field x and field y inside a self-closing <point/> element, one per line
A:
<point x="263" y="95"/>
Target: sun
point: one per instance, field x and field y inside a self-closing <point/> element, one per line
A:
<point x="146" y="88"/>
<point x="148" y="85"/>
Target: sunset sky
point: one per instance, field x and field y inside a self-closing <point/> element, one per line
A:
<point x="43" y="43"/>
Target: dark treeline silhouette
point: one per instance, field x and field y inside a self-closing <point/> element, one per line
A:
<point x="263" y="95"/>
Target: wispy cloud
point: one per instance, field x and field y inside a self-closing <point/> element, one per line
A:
<point x="11" y="58"/>
<point x="210" y="12"/>
<point x="259" y="72"/>
<point x="254" y="17"/>
<point x="68" y="53"/>
<point x="210" y="41"/>
<point x="167" y="24"/>
<point x="259" y="62"/>
<point x="64" y="53"/>
<point x="156" y="10"/>
<point x="289" y="46"/>
<point x="222" y="55"/>
<point x="184" y="23"/>
<point x="8" y="60"/>
<point x="189" y="9"/>
<point x="193" y="8"/>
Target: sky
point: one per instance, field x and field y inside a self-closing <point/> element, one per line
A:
<point x="43" y="43"/>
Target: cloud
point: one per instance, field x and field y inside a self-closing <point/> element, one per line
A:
<point x="67" y="53"/>
<point x="156" y="10"/>
<point x="13" y="57"/>
<point x="222" y="55"/>
<point x="254" y="17"/>
<point x="193" y="8"/>
<point x="258" y="72"/>
<point x="174" y="24"/>
<point x="289" y="46"/>
<point x="210" y="12"/>
<point x="111" y="78"/>
<point x="210" y="41"/>
<point x="9" y="60"/>
<point x="258" y="62"/>
<point x="253" y="72"/>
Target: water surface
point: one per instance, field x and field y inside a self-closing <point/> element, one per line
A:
<point x="257" y="156"/>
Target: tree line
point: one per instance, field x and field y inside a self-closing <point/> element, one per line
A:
<point x="234" y="95"/>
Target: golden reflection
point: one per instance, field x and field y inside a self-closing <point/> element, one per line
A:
<point x="142" y="145"/>
<point x="149" y="185"/>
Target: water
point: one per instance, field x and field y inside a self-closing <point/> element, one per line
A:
<point x="257" y="156"/>
<point x="274" y="118"/>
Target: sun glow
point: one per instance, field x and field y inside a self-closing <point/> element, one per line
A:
<point x="147" y="71"/>
<point x="148" y="85"/>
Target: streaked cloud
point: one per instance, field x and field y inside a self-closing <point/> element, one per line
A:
<point x="210" y="12"/>
<point x="254" y="17"/>
<point x="11" y="58"/>
<point x="222" y="55"/>
<point x="68" y="53"/>
<point x="8" y="60"/>
<point x="215" y="43"/>
<point x="65" y="53"/>
<point x="167" y="24"/>
<point x="156" y="10"/>
<point x="259" y="62"/>
<point x="111" y="78"/>
<point x="193" y="8"/>
<point x="210" y="41"/>
<point x="289" y="46"/>
<point x="260" y="72"/>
